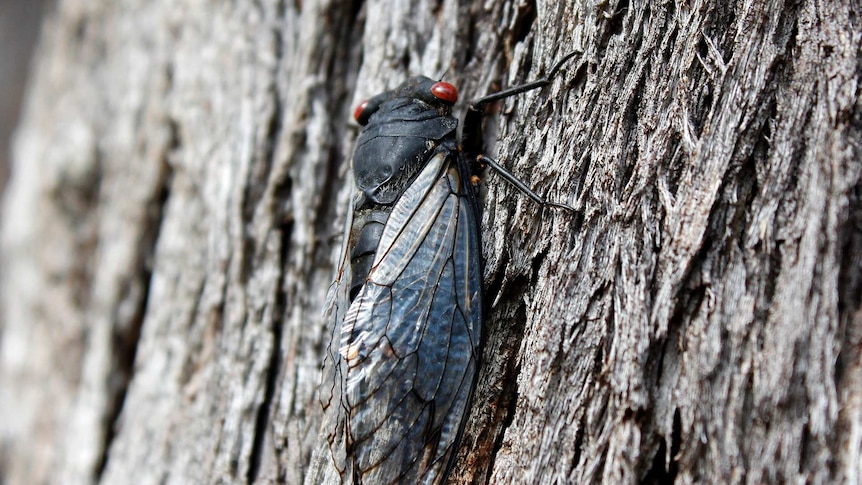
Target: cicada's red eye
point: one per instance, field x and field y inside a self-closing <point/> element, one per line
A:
<point x="445" y="92"/>
<point x="359" y="109"/>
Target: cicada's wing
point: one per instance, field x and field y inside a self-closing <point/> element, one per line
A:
<point x="334" y="367"/>
<point x="411" y="337"/>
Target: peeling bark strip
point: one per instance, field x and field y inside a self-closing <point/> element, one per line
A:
<point x="167" y="238"/>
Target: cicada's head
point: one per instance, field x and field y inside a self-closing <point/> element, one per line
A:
<point x="434" y="94"/>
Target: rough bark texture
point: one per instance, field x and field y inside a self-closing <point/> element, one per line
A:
<point x="170" y="228"/>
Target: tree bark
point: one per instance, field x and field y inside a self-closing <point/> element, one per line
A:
<point x="172" y="222"/>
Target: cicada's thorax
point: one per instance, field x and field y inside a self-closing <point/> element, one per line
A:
<point x="398" y="140"/>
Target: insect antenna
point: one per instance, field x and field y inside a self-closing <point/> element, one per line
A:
<point x="440" y="78"/>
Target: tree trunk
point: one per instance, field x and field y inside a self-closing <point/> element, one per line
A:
<point x="177" y="199"/>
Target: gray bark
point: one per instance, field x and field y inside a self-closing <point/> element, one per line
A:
<point x="175" y="207"/>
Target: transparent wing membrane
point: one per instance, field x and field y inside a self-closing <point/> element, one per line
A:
<point x="409" y="342"/>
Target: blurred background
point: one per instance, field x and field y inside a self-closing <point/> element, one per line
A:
<point x="19" y="30"/>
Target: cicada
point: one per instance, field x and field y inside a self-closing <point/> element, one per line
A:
<point x="406" y="301"/>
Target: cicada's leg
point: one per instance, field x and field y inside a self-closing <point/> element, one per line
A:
<point x="479" y="104"/>
<point x="512" y="179"/>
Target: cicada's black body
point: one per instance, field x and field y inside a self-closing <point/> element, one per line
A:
<point x="407" y="299"/>
<point x="408" y="296"/>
